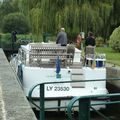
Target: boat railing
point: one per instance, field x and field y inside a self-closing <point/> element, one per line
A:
<point x="84" y="105"/>
<point x="23" y="56"/>
<point x="42" y="54"/>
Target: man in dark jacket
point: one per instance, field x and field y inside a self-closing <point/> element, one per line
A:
<point x="90" y="40"/>
<point x="89" y="47"/>
<point x="14" y="38"/>
<point x="62" y="37"/>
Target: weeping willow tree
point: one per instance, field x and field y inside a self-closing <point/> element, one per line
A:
<point x="74" y="15"/>
<point x="105" y="13"/>
<point x="85" y="15"/>
<point x="36" y="23"/>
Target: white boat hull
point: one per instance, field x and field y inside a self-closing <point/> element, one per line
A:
<point x="57" y="93"/>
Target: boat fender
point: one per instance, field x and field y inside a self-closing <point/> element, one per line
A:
<point x="58" y="67"/>
<point x="20" y="73"/>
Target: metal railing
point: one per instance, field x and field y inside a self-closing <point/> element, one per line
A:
<point x="85" y="105"/>
<point x="84" y="101"/>
<point x="45" y="54"/>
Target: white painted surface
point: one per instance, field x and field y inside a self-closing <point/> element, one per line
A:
<point x="36" y="75"/>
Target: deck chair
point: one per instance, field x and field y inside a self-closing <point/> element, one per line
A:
<point x="89" y="55"/>
<point x="70" y="53"/>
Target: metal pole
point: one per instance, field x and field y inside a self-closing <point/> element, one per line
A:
<point x="42" y="100"/>
<point x="84" y="109"/>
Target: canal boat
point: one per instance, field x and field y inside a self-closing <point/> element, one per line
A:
<point x="38" y="63"/>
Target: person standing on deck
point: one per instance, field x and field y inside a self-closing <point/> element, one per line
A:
<point x="90" y="40"/>
<point x="78" y="41"/>
<point x="14" y="38"/>
<point x="90" y="46"/>
<point x="62" y="37"/>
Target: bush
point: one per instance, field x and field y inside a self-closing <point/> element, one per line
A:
<point x="15" y="21"/>
<point x="5" y="41"/>
<point x="99" y="41"/>
<point x="24" y="39"/>
<point x="114" y="41"/>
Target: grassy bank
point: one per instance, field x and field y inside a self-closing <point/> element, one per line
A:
<point x="111" y="56"/>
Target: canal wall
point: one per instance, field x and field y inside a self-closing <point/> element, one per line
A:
<point x="114" y="72"/>
<point x="114" y="87"/>
<point x="13" y="103"/>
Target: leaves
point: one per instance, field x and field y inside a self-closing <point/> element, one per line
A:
<point x="115" y="39"/>
<point x="74" y="15"/>
<point x="15" y="21"/>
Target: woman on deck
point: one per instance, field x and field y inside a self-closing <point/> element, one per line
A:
<point x="78" y="41"/>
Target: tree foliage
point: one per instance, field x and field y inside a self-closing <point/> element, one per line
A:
<point x="15" y="21"/>
<point x="99" y="16"/>
<point x="115" y="39"/>
<point x="74" y="15"/>
<point x="7" y="7"/>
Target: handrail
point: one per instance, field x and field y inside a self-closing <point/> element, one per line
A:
<point x="30" y="95"/>
<point x="42" y="101"/>
<point x="88" y="99"/>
